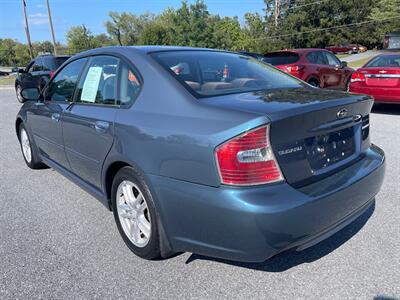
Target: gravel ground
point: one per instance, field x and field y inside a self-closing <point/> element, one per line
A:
<point x="58" y="242"/>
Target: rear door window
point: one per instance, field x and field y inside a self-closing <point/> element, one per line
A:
<point x="281" y="58"/>
<point x="317" y="57"/>
<point x="98" y="84"/>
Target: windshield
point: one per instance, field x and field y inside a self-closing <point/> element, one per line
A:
<point x="386" y="61"/>
<point x="212" y="73"/>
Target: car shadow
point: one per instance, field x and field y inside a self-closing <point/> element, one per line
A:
<point x="386" y="109"/>
<point x="292" y="258"/>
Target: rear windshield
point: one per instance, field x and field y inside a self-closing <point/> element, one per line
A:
<point x="385" y="61"/>
<point x="212" y="73"/>
<point x="281" y="58"/>
<point x="61" y="60"/>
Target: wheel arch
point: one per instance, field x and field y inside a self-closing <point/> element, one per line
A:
<point x="110" y="171"/>
<point x="18" y="123"/>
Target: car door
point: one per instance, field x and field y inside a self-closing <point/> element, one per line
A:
<point x="45" y="116"/>
<point x="88" y="124"/>
<point x="336" y="78"/>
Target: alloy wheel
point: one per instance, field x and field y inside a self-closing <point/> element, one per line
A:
<point x="26" y="146"/>
<point x="133" y="213"/>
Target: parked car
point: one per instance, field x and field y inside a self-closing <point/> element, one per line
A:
<point x="38" y="72"/>
<point x="229" y="157"/>
<point x="347" y="48"/>
<point x="317" y="67"/>
<point x="3" y="73"/>
<point x="380" y="78"/>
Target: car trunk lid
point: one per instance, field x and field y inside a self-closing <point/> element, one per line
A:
<point x="381" y="77"/>
<point x="313" y="132"/>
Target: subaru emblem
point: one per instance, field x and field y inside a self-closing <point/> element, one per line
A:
<point x="341" y="113"/>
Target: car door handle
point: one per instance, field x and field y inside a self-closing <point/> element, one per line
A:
<point x="101" y="126"/>
<point x="55" y="117"/>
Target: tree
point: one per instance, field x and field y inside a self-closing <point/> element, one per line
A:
<point x="80" y="38"/>
<point x="387" y="15"/>
<point x="125" y="28"/>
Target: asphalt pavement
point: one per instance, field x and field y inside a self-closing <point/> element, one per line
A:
<point x="58" y="242"/>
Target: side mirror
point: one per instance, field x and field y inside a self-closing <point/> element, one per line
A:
<point x="343" y="64"/>
<point x="21" y="70"/>
<point x="31" y="94"/>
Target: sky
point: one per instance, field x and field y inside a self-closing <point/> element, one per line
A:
<point x="93" y="13"/>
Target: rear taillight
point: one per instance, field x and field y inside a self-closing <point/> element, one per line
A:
<point x="248" y="159"/>
<point x="294" y="68"/>
<point x="357" y="77"/>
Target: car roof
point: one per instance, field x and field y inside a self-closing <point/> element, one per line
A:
<point x="299" y="51"/>
<point x="141" y="49"/>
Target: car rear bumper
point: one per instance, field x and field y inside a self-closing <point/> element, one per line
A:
<point x="252" y="224"/>
<point x="384" y="95"/>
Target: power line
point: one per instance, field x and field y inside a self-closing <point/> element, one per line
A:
<point x="326" y="29"/>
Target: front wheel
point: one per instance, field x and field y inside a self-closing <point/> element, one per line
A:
<point x="314" y="83"/>
<point x="18" y="90"/>
<point x="28" y="149"/>
<point x="135" y="214"/>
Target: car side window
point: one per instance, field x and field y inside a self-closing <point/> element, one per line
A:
<point x="62" y="87"/>
<point x="37" y="65"/>
<point x="129" y="85"/>
<point x="98" y="84"/>
<point x="45" y="64"/>
<point x="332" y="60"/>
<point x="317" y="57"/>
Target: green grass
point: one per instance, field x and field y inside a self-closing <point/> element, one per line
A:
<point x="341" y="56"/>
<point x="7" y="80"/>
<point x="359" y="63"/>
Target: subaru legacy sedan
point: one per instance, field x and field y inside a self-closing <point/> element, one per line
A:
<point x="204" y="151"/>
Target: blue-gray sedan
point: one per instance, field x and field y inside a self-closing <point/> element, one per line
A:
<point x="204" y="151"/>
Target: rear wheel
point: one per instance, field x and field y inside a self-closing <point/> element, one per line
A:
<point x="135" y="214"/>
<point x="314" y="82"/>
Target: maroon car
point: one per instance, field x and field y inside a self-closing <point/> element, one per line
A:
<point x="318" y="67"/>
<point x="348" y="48"/>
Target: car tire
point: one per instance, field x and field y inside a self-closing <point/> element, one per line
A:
<point x="29" y="149"/>
<point x="18" y="93"/>
<point x="135" y="213"/>
<point x="314" y="82"/>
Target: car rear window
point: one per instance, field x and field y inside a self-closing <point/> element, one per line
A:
<point x="61" y="60"/>
<point x="281" y="58"/>
<point x="212" y="73"/>
<point x="385" y="61"/>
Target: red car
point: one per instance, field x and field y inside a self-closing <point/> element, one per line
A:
<point x="380" y="78"/>
<point x="348" y="48"/>
<point x="318" y="67"/>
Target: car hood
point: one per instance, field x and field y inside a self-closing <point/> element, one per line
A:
<point x="282" y="103"/>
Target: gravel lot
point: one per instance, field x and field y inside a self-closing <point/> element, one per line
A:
<point x="56" y="241"/>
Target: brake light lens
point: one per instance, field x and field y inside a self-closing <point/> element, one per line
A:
<point x="357" y="77"/>
<point x="294" y="68"/>
<point x="248" y="159"/>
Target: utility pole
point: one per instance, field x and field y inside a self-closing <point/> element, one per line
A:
<point x="276" y="12"/>
<point x="51" y="27"/>
<point x="28" y="36"/>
